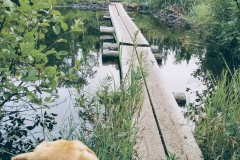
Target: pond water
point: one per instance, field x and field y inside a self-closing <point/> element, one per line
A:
<point x="180" y="50"/>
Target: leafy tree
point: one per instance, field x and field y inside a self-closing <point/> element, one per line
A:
<point x="217" y="21"/>
<point x="24" y="68"/>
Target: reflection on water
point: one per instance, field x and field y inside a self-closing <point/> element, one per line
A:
<point x="21" y="126"/>
<point x="181" y="51"/>
<point x="185" y="46"/>
<point x="178" y="77"/>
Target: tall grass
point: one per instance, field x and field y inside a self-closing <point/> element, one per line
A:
<point x="110" y="117"/>
<point x="115" y="132"/>
<point x="218" y="135"/>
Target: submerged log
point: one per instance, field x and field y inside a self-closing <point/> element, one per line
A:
<point x="109" y="61"/>
<point x="111" y="46"/>
<point x="106" y="37"/>
<point x="110" y="53"/>
<point x="110" y="50"/>
<point x="158" y="56"/>
<point x="180" y="98"/>
<point x="106" y="17"/>
<point x="154" y="49"/>
<point x="106" y="30"/>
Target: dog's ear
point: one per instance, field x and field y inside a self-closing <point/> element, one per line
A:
<point x="23" y="156"/>
<point x="87" y="154"/>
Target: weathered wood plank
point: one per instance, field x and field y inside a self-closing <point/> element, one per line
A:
<point x="164" y="128"/>
<point x="121" y="31"/>
<point x="131" y="27"/>
<point x="148" y="139"/>
<point x="176" y="133"/>
<point x="112" y="10"/>
<point x="111" y="46"/>
<point x="149" y="144"/>
<point x="154" y="49"/>
<point x="126" y="30"/>
<point x="106" y="30"/>
<point x="120" y="9"/>
<point x="106" y="37"/>
<point x="109" y="18"/>
<point x="110" y="53"/>
<point x="134" y="32"/>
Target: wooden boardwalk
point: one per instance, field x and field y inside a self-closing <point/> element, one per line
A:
<point x="163" y="128"/>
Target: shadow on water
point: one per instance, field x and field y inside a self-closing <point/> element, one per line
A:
<point x="23" y="125"/>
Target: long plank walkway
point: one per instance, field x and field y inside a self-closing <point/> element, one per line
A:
<point x="163" y="129"/>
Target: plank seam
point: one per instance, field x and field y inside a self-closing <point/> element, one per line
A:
<point x="139" y="45"/>
<point x="153" y="109"/>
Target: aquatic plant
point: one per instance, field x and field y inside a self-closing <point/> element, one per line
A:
<point x="218" y="133"/>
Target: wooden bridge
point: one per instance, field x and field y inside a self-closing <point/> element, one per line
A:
<point x="163" y="129"/>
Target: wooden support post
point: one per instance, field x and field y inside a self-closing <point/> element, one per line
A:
<point x="106" y="30"/>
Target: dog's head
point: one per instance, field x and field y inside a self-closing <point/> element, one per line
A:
<point x="59" y="150"/>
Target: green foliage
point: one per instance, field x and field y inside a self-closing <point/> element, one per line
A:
<point x="200" y="15"/>
<point x="24" y="68"/>
<point x="218" y="21"/>
<point x="110" y="117"/>
<point x="172" y="156"/>
<point x="218" y="132"/>
<point x="160" y="4"/>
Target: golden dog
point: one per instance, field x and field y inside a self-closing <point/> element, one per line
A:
<point x="59" y="150"/>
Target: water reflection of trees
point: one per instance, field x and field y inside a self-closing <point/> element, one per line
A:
<point x="184" y="45"/>
<point x="81" y="46"/>
<point x="16" y="122"/>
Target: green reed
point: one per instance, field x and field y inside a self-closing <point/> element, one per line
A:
<point x="218" y="135"/>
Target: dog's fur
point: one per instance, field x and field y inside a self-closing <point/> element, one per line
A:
<point x="59" y="150"/>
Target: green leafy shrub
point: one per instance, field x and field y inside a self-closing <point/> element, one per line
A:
<point x="25" y="69"/>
